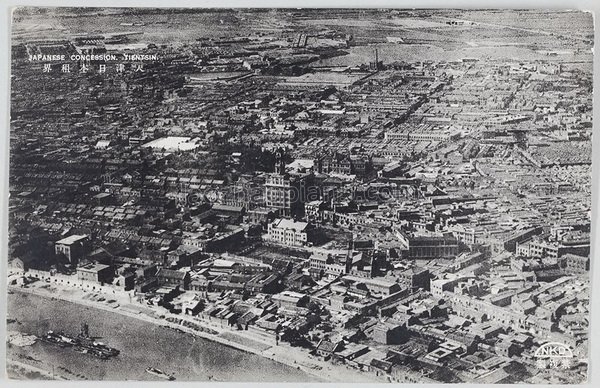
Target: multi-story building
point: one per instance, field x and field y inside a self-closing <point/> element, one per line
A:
<point x="281" y="193"/>
<point x="288" y="232"/>
<point x="376" y="285"/>
<point x="416" y="277"/>
<point x="72" y="247"/>
<point x="575" y="264"/>
<point x="465" y="234"/>
<point x="329" y="262"/>
<point x="169" y="277"/>
<point x="100" y="273"/>
<point x="286" y="192"/>
<point x="336" y="164"/>
<point x="343" y="164"/>
<point x="543" y="248"/>
<point x="427" y="246"/>
<point x="313" y="211"/>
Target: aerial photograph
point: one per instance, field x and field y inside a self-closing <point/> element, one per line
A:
<point x="299" y="195"/>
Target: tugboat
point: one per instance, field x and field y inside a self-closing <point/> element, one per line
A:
<point x="83" y="343"/>
<point x="159" y="373"/>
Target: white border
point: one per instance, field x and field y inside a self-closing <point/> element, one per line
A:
<point x="5" y="19"/>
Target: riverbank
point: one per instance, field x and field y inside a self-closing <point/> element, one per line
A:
<point x="20" y="371"/>
<point x="142" y="344"/>
<point x="307" y="367"/>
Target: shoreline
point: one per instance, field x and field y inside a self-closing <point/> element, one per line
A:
<point x="146" y="318"/>
<point x="27" y="368"/>
<point x="282" y="354"/>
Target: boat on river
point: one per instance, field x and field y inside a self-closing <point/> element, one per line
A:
<point x="83" y="343"/>
<point x="159" y="373"/>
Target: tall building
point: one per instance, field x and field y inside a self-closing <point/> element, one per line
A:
<point x="73" y="247"/>
<point x="286" y="192"/>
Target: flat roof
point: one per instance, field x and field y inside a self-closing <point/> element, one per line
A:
<point x="93" y="268"/>
<point x="72" y="239"/>
<point x="290" y="224"/>
<point x="173" y="143"/>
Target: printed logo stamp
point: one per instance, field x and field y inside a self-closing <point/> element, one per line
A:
<point x="554" y="355"/>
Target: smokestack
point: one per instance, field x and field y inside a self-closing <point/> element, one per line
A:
<point x="376" y="59"/>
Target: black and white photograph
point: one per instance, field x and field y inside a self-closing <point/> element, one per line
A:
<point x="370" y="195"/>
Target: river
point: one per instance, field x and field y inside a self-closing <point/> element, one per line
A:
<point x="142" y="344"/>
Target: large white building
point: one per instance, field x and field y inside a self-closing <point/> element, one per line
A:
<point x="288" y="232"/>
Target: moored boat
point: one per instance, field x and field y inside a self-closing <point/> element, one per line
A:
<point x="83" y="343"/>
<point x="159" y="373"/>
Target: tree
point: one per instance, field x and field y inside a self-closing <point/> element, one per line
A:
<point x="314" y="307"/>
